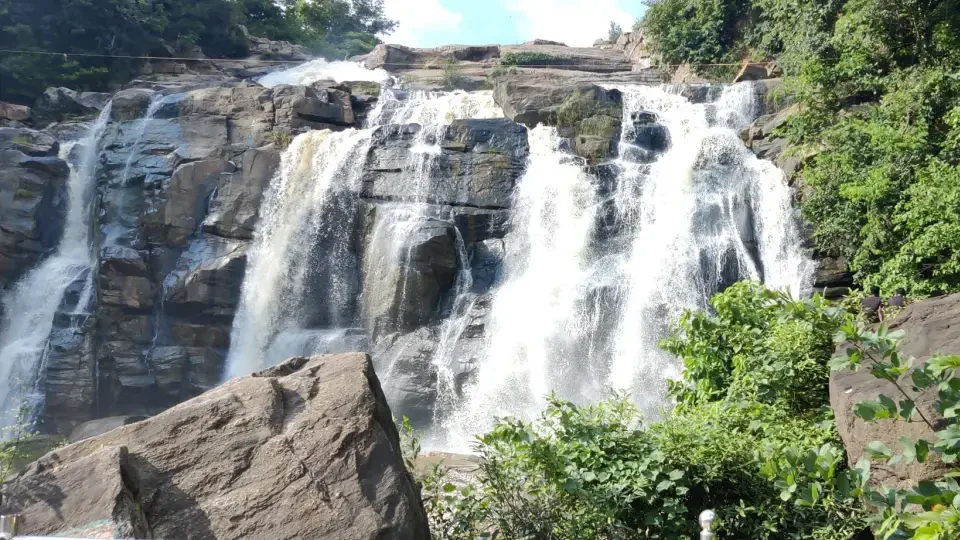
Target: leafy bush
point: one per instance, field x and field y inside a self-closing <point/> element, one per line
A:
<point x="695" y="31"/>
<point x="615" y="31"/>
<point x="453" y="78"/>
<point x="884" y="191"/>
<point x="532" y="59"/>
<point x="759" y="345"/>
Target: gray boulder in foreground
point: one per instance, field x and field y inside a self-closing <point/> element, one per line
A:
<point x="307" y="449"/>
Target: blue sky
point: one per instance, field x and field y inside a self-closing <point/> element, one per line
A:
<point x="428" y="23"/>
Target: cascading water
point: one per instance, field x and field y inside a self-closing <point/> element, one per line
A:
<point x="321" y="69"/>
<point x="30" y="307"/>
<point x="709" y="213"/>
<point x="302" y="259"/>
<point x="586" y="302"/>
<point x="302" y="210"/>
<point x="537" y="314"/>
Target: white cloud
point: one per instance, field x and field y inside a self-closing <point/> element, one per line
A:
<point x="574" y="22"/>
<point x="417" y="19"/>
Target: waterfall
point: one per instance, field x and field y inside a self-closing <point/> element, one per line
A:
<point x="321" y="69"/>
<point x="30" y="307"/>
<point x="306" y="231"/>
<point x="537" y="314"/>
<point x="317" y="171"/>
<point x="704" y="211"/>
<point x="597" y="270"/>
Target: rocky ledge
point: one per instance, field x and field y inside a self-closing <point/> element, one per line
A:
<point x="307" y="449"/>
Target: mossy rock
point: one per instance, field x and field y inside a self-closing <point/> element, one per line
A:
<point x="366" y="88"/>
<point x="29" y="450"/>
<point x="594" y="149"/>
<point x="600" y="126"/>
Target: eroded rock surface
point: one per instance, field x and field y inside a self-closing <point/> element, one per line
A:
<point x="307" y="449"/>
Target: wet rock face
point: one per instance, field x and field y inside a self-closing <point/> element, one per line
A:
<point x="586" y="113"/>
<point x="32" y="200"/>
<point x="478" y="166"/>
<point x="273" y="442"/>
<point x="179" y="196"/>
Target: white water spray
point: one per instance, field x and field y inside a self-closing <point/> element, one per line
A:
<point x="582" y="312"/>
<point x="537" y="313"/>
<point x="311" y="200"/>
<point x="318" y="70"/>
<point x="317" y="166"/>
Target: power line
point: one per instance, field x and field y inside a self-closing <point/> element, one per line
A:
<point x="394" y="64"/>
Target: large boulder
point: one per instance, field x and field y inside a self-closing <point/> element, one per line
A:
<point x="277" y="50"/>
<point x="185" y="206"/>
<point x="530" y="99"/>
<point x="307" y="449"/>
<point x="398" y="57"/>
<point x="410" y="265"/>
<point x="931" y="327"/>
<point x="11" y="112"/>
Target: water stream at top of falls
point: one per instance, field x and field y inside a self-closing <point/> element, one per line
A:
<point x="306" y="232"/>
<point x="583" y="308"/>
<point x="31" y="305"/>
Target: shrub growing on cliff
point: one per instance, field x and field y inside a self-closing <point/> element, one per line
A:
<point x="532" y="59"/>
<point x="758" y="345"/>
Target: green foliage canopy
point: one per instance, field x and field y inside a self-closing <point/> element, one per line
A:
<point x="335" y="28"/>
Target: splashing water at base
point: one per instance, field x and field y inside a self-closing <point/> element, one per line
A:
<point x="30" y="307"/>
<point x="536" y="315"/>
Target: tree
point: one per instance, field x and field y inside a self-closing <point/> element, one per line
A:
<point x="615" y="31"/>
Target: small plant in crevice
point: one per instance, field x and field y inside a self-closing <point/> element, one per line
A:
<point x="453" y="78"/>
<point x="281" y="138"/>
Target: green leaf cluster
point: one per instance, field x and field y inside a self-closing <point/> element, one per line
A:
<point x="929" y="510"/>
<point x="757" y="344"/>
<point x="532" y="59"/>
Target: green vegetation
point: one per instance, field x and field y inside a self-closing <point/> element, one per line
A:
<point x="532" y="59"/>
<point x="930" y="510"/>
<point x="453" y="78"/>
<point x="615" y="31"/>
<point x="752" y="436"/>
<point x="578" y="108"/>
<point x="281" y="138"/>
<point x="335" y="28"/>
<point x="752" y="400"/>
<point x="879" y="85"/>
